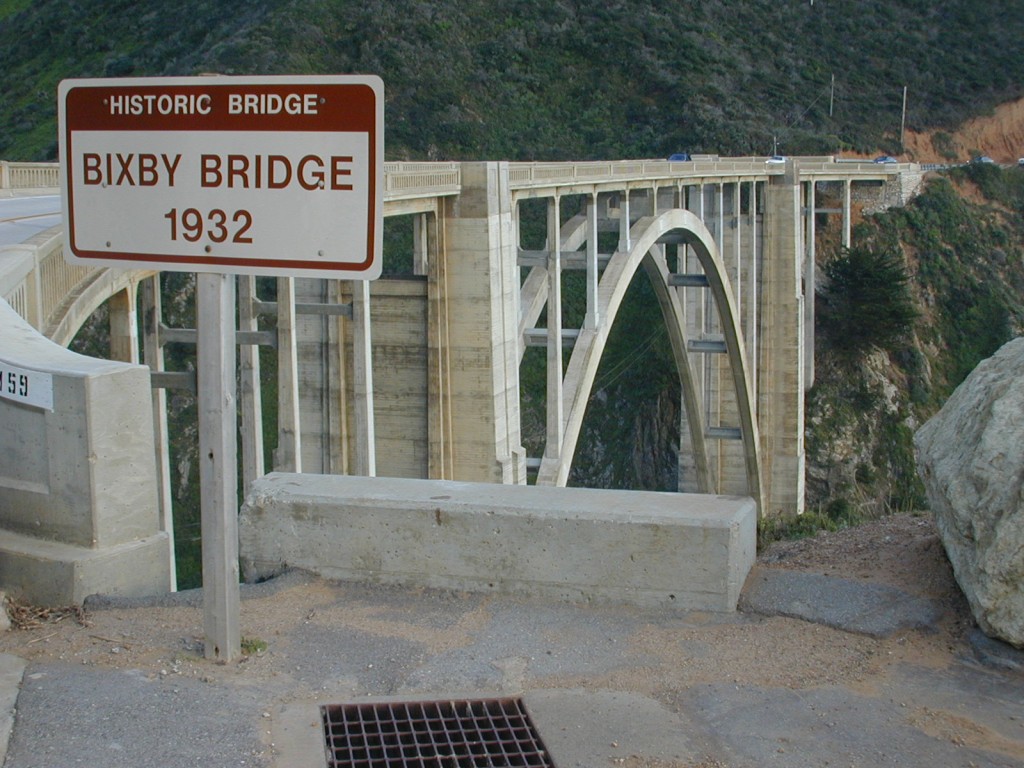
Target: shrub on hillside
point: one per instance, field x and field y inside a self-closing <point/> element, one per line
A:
<point x="866" y="301"/>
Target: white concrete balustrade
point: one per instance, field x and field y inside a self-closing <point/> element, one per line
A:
<point x="27" y="178"/>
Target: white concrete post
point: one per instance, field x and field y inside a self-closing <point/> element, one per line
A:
<point x="249" y="380"/>
<point x="847" y="216"/>
<point x="339" y="451"/>
<point x="699" y="296"/>
<point x="624" y="242"/>
<point x="124" y="326"/>
<point x="737" y="243"/>
<point x="419" y="244"/>
<point x="153" y="356"/>
<point x="754" y="299"/>
<point x="34" y="291"/>
<point x="555" y="416"/>
<point x="218" y="468"/>
<point x="288" y="455"/>
<point x="362" y="363"/>
<point x="593" y="312"/>
<point x="809" y="277"/>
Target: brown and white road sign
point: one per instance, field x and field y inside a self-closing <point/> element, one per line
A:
<point x="254" y="175"/>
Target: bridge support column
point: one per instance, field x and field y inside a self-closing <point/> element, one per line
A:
<point x="593" y="277"/>
<point x="365" y="453"/>
<point x="809" y="283"/>
<point x="781" y="373"/>
<point x="287" y="455"/>
<point x="750" y="329"/>
<point x="624" y="220"/>
<point x="124" y="326"/>
<point x="153" y="356"/>
<point x="440" y="440"/>
<point x="694" y="301"/>
<point x="847" y="212"/>
<point x="555" y="412"/>
<point x="724" y="409"/>
<point x="250" y="395"/>
<point x="481" y="299"/>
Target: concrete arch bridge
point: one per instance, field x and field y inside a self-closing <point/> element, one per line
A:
<point x="418" y="376"/>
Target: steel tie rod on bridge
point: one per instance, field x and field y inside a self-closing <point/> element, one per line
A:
<point x="538" y="337"/>
<point x="569" y="259"/>
<point x="168" y="335"/>
<point x="708" y="346"/>
<point x="332" y="310"/>
<point x="696" y="280"/>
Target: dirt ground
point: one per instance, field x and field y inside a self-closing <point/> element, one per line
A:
<point x="901" y="550"/>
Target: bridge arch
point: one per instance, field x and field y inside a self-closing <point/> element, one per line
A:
<point x="647" y="236"/>
<point x="98" y="287"/>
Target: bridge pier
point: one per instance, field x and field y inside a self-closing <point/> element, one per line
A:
<point x="480" y="302"/>
<point x="445" y="352"/>
<point x="781" y="382"/>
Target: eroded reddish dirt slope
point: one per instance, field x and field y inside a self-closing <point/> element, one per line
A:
<point x="1000" y="136"/>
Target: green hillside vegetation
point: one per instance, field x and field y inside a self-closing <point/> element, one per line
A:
<point x="531" y="80"/>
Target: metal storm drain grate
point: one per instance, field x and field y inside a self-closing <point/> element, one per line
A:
<point x="473" y="733"/>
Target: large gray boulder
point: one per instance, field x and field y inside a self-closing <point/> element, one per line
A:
<point x="970" y="456"/>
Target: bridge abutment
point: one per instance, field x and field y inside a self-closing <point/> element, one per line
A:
<point x="78" y="501"/>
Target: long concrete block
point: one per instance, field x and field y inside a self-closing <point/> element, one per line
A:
<point x="688" y="551"/>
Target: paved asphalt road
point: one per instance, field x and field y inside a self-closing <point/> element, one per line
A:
<point x="21" y="218"/>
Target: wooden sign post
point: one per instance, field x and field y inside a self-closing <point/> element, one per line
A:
<point x="218" y="463"/>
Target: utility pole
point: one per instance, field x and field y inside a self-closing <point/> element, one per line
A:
<point x="832" y="91"/>
<point x="903" y="119"/>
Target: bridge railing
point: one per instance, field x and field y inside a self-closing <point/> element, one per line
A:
<point x="38" y="283"/>
<point x="400" y="179"/>
<point x="23" y="176"/>
<point x="526" y="175"/>
<point x="851" y="168"/>
<point x="403" y="181"/>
